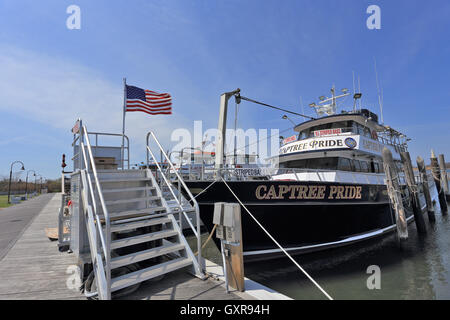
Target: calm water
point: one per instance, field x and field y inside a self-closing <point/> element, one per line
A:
<point x="420" y="269"/>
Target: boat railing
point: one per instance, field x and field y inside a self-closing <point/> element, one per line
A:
<point x="167" y="179"/>
<point x="294" y="174"/>
<point x="125" y="157"/>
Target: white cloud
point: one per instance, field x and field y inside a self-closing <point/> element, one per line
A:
<point x="56" y="91"/>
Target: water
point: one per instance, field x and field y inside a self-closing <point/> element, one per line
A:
<point x="419" y="269"/>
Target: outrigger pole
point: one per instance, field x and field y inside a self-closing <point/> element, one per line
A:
<point x="123" y="123"/>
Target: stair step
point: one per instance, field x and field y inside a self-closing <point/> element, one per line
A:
<point x="148" y="273"/>
<point x="122" y="220"/>
<point x="128" y="189"/>
<point x="185" y="210"/>
<point x="144" y="255"/>
<point x="132" y="213"/>
<point x="139" y="224"/>
<point x="125" y="242"/>
<point x="111" y="202"/>
<point x="125" y="179"/>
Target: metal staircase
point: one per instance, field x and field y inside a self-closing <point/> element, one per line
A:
<point x="133" y="232"/>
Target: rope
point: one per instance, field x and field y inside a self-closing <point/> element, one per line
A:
<point x="207" y="240"/>
<point x="277" y="108"/>
<point x="250" y="144"/>
<point x="282" y="249"/>
<point x="205" y="189"/>
<point x="437" y="178"/>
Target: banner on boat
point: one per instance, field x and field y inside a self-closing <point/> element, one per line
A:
<point x="356" y="142"/>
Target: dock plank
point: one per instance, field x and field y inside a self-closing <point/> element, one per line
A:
<point x="33" y="268"/>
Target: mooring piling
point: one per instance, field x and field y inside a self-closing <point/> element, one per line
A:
<point x="444" y="177"/>
<point x="414" y="192"/>
<point x="437" y="181"/>
<point x="394" y="192"/>
<point x="426" y="188"/>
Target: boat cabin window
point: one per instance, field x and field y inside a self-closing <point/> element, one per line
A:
<point x="329" y="163"/>
<point x="357" y="166"/>
<point x="364" y="166"/>
<point x="334" y="163"/>
<point x="376" y="167"/>
<point x="344" y="164"/>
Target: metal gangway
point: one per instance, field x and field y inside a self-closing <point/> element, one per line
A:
<point x="126" y="225"/>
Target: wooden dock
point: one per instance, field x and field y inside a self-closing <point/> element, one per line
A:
<point x="33" y="268"/>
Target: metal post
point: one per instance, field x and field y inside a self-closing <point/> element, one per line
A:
<point x="10" y="177"/>
<point x="9" y="185"/>
<point x="123" y="120"/>
<point x="224" y="261"/>
<point x="220" y="147"/>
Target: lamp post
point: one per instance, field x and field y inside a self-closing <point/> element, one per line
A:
<point x="285" y="117"/>
<point x="44" y="183"/>
<point x="26" y="183"/>
<point x="40" y="184"/>
<point x="10" y="177"/>
<point x="35" y="182"/>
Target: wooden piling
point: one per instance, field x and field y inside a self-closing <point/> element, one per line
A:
<point x="444" y="178"/>
<point x="426" y="189"/>
<point x="394" y="192"/>
<point x="437" y="181"/>
<point x="413" y="192"/>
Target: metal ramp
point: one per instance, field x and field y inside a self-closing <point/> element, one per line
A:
<point x="134" y="233"/>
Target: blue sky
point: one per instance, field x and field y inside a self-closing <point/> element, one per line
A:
<point x="275" y="51"/>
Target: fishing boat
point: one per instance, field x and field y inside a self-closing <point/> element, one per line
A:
<point x="325" y="189"/>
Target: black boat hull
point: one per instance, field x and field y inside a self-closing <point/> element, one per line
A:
<point x="318" y="218"/>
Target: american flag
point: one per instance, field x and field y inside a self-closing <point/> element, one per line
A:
<point x="147" y="101"/>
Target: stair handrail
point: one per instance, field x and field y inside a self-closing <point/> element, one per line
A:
<point x="181" y="182"/>
<point x="105" y="239"/>
<point x="97" y="260"/>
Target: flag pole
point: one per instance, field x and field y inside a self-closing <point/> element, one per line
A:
<point x="123" y="123"/>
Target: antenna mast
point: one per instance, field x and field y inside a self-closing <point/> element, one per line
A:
<point x="301" y="104"/>
<point x="359" y="89"/>
<point x="380" y="99"/>
<point x="354" y="91"/>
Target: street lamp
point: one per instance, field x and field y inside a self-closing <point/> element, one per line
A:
<point x="40" y="184"/>
<point x="285" y="117"/>
<point x="26" y="183"/>
<point x="35" y="181"/>
<point x="10" y="176"/>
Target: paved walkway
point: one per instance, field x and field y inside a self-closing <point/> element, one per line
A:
<point x="14" y="220"/>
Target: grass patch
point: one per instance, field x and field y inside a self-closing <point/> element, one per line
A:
<point x="4" y="200"/>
